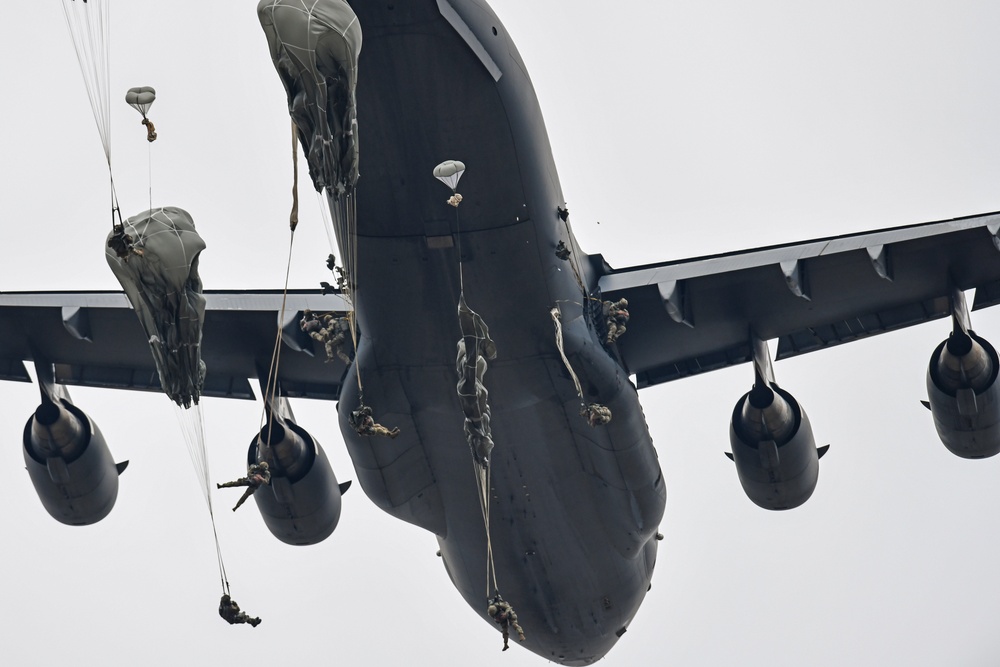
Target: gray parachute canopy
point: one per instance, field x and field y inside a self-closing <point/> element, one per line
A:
<point x="160" y="278"/>
<point x="315" y="48"/>
<point x="141" y="98"/>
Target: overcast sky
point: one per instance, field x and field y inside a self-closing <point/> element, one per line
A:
<point x="680" y="128"/>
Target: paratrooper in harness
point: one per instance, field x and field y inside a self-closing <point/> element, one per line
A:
<point x="596" y="414"/>
<point x="230" y="611"/>
<point x="329" y="330"/>
<point x="122" y="243"/>
<point x="363" y="422"/>
<point x="504" y="615"/>
<point x="615" y="316"/>
<point x="258" y="474"/>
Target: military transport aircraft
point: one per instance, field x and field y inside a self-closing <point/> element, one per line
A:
<point x="575" y="508"/>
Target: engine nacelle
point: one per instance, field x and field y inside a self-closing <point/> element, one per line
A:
<point x="773" y="448"/>
<point x="963" y="395"/>
<point x="69" y="464"/>
<point x="302" y="503"/>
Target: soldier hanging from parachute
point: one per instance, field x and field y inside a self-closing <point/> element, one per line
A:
<point x="258" y="475"/>
<point x="333" y="332"/>
<point x="361" y="420"/>
<point x="230" y="611"/>
<point x="504" y="615"/>
<point x="615" y="318"/>
<point x="140" y="99"/>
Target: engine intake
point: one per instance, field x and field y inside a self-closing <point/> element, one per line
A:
<point x="302" y="504"/>
<point x="773" y="448"/>
<point x="963" y="395"/>
<point x="69" y="463"/>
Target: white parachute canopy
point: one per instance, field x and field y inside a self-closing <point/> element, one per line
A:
<point x="141" y="98"/>
<point x="450" y="172"/>
<point x="89" y="25"/>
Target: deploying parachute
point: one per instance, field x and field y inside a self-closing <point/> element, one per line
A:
<point x="315" y="48"/>
<point x="140" y="99"/>
<point x="475" y="348"/>
<point x="450" y="172"/>
<point x="154" y="255"/>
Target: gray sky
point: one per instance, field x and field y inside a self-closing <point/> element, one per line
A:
<point x="685" y="128"/>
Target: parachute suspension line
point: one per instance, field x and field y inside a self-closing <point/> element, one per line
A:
<point x="483" y="476"/>
<point x="192" y="424"/>
<point x="327" y="224"/>
<point x="271" y="386"/>
<point x="89" y="26"/>
<point x="461" y="266"/>
<point x="293" y="217"/>
<point x="149" y="174"/>
<point x="346" y="241"/>
<point x="218" y="554"/>
<point x="350" y="278"/>
<point x="115" y="210"/>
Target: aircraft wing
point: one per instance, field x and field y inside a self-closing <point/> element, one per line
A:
<point x="94" y="339"/>
<point x="696" y="315"/>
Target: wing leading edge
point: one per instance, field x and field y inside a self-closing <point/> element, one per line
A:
<point x="94" y="339"/>
<point x="697" y="315"/>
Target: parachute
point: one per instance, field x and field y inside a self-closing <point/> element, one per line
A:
<point x="475" y="348"/>
<point x="140" y="99"/>
<point x="315" y="48"/>
<point x="154" y="255"/>
<point x="449" y="172"/>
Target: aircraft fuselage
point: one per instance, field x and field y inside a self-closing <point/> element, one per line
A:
<point x="574" y="508"/>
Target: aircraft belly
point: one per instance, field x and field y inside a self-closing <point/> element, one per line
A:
<point x="407" y="293"/>
<point x="573" y="516"/>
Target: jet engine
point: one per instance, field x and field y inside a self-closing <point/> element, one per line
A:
<point x="773" y="448"/>
<point x="69" y="463"/>
<point x="964" y="396"/>
<point x="301" y="505"/>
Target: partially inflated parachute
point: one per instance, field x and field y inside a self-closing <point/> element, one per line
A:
<point x="141" y="98"/>
<point x="315" y="48"/>
<point x="154" y="255"/>
<point x="450" y="172"/>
